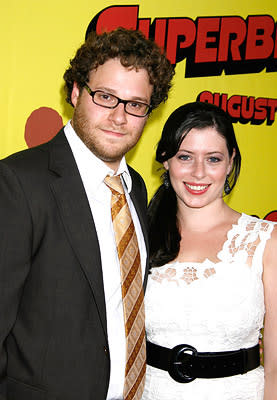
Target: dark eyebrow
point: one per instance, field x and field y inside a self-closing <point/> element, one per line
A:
<point x="209" y="153"/>
<point x="113" y="92"/>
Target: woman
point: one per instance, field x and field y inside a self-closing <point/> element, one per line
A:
<point x="213" y="271"/>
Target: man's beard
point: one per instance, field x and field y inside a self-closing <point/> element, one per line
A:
<point x="91" y="137"/>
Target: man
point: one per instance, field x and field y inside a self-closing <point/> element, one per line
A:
<point x="62" y="329"/>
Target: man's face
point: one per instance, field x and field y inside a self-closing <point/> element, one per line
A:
<point x="111" y="133"/>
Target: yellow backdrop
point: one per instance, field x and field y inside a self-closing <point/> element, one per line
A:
<point x="39" y="37"/>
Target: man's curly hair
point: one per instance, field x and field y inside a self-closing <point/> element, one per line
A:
<point x="132" y="49"/>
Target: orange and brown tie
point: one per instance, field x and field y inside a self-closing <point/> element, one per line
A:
<point x="132" y="290"/>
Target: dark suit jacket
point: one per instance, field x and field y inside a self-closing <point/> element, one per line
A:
<point x="53" y="328"/>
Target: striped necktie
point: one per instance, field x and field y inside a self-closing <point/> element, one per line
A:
<point x="132" y="290"/>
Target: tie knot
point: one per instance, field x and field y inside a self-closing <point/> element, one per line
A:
<point x="114" y="182"/>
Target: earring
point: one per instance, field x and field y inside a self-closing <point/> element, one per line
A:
<point x="166" y="180"/>
<point x="227" y="188"/>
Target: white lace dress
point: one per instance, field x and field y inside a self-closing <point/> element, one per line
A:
<point x="213" y="307"/>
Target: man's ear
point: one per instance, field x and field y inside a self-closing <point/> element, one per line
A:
<point x="75" y="94"/>
<point x="165" y="164"/>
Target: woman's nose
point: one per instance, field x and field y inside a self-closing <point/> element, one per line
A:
<point x="198" y="169"/>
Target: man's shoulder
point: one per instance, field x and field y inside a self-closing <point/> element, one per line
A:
<point x="135" y="174"/>
<point x="137" y="179"/>
<point x="139" y="190"/>
<point x="27" y="158"/>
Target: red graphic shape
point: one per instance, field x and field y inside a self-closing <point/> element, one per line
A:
<point x="42" y="125"/>
<point x="272" y="216"/>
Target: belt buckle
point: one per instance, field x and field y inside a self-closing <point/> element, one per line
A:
<point x="179" y="368"/>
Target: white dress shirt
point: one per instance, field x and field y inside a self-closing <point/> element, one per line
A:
<point x="93" y="172"/>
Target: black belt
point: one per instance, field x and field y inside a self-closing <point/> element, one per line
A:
<point x="184" y="363"/>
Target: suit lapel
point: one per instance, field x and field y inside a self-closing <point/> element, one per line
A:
<point x="75" y="212"/>
<point x="140" y="206"/>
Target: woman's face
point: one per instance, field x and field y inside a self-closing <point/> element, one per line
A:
<point x="198" y="170"/>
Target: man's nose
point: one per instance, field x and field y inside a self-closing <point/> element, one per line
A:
<point x="118" y="114"/>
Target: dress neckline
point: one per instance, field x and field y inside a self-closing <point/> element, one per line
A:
<point x="207" y="261"/>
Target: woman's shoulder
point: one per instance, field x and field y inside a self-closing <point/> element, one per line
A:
<point x="254" y="222"/>
<point x="266" y="231"/>
<point x="271" y="246"/>
<point x="270" y="265"/>
<point x="251" y="229"/>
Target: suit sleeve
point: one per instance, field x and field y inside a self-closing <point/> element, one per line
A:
<point x="15" y="253"/>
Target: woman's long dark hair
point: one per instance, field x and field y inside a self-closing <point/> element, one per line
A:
<point x="164" y="236"/>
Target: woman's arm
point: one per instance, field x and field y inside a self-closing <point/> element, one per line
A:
<point x="270" y="326"/>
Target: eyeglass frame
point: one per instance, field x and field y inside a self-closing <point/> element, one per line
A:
<point x="119" y="100"/>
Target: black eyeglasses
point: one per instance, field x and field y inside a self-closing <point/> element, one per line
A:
<point x="107" y="100"/>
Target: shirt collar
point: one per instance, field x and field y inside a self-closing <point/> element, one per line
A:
<point x="87" y="161"/>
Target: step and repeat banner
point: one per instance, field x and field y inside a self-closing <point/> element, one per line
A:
<point x="225" y="54"/>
